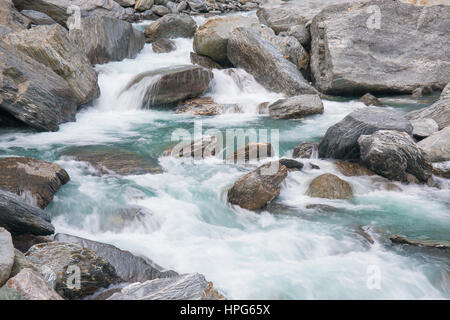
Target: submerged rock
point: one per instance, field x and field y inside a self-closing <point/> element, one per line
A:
<point x="129" y="267"/>
<point x="296" y="107"/>
<point x="321" y="207"/>
<point x="436" y="147"/>
<point x="32" y="286"/>
<point x="6" y="255"/>
<point x="341" y="140"/>
<point x="51" y="46"/>
<point x="32" y="93"/>
<point x="248" y="50"/>
<point x="329" y="186"/>
<point x="258" y="188"/>
<point x="370" y="100"/>
<point x="183" y="287"/>
<point x="19" y="217"/>
<point x="352" y="54"/>
<point x="423" y="128"/>
<point x="305" y="150"/>
<point x="211" y="38"/>
<point x="163" y="46"/>
<point x="252" y="151"/>
<point x="109" y="160"/>
<point x="291" y="164"/>
<point x="200" y="148"/>
<point x="204" y="61"/>
<point x="351" y="169"/>
<point x="394" y="155"/>
<point x="105" y="39"/>
<point x="205" y="106"/>
<point x="171" y="26"/>
<point x="420" y="243"/>
<point x="41" y="179"/>
<point x="59" y="258"/>
<point x="167" y="86"/>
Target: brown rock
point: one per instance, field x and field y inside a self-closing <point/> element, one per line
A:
<point x="420" y="243"/>
<point x="205" y="106"/>
<point x="351" y="169"/>
<point x="252" y="151"/>
<point x="163" y="46"/>
<point x="329" y="186"/>
<point x="201" y="148"/>
<point x="204" y="61"/>
<point x="370" y="100"/>
<point x="305" y="150"/>
<point x="32" y="286"/>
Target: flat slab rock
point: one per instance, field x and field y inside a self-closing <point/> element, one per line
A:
<point x="41" y="179"/>
<point x="296" y="107"/>
<point x="183" y="287"/>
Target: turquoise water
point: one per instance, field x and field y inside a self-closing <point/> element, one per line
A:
<point x="290" y="252"/>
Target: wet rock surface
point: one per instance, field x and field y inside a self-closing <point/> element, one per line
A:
<point x="329" y="186"/>
<point x="296" y="107"/>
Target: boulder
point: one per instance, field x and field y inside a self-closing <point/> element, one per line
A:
<point x="423" y="128"/>
<point x="341" y="140"/>
<point x="10" y="294"/>
<point x="41" y="179"/>
<point x="129" y="267"/>
<point x="296" y="107"/>
<point x="252" y="151"/>
<point x="397" y="239"/>
<point x="291" y="164"/>
<point x="204" y="61"/>
<point x="205" y="106"/>
<point x="32" y="93"/>
<point x="198" y="5"/>
<point x="200" y="148"/>
<point x="51" y="46"/>
<point x="60" y="258"/>
<point x="148" y="15"/>
<point x="248" y="50"/>
<point x="109" y="160"/>
<point x="10" y="19"/>
<point x="305" y="150"/>
<point x="126" y="3"/>
<point x="329" y="186"/>
<point x="441" y="169"/>
<point x="166" y="87"/>
<point x="142" y="5"/>
<point x="38" y="18"/>
<point x="25" y="241"/>
<point x="171" y="26"/>
<point x="59" y="10"/>
<point x="258" y="188"/>
<point x="163" y="46"/>
<point x="352" y="169"/>
<point x="160" y="10"/>
<point x="436" y="147"/>
<point x="301" y="33"/>
<point x="182" y="5"/>
<point x="104" y="39"/>
<point x="211" y="38"/>
<point x="32" y="286"/>
<point x="370" y="100"/>
<point x="394" y="155"/>
<point x="6" y="255"/>
<point x="20" y="262"/>
<point x="351" y="54"/>
<point x="438" y="111"/>
<point x="191" y="286"/>
<point x="19" y="217"/>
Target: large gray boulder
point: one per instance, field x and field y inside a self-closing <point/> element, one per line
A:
<point x="105" y="39"/>
<point x="19" y="217"/>
<point x="36" y="179"/>
<point x="129" y="267"/>
<point x="51" y="46"/>
<point x="167" y="86"/>
<point x="211" y="38"/>
<point x="10" y="19"/>
<point x="353" y="54"/>
<point x="436" y="147"/>
<point x="171" y="26"/>
<point x="438" y="111"/>
<point x="394" y="155"/>
<point x="191" y="286"/>
<point x="60" y="258"/>
<point x="6" y="255"/>
<point x="58" y="9"/>
<point x="32" y="93"/>
<point x="257" y="189"/>
<point x="32" y="286"/>
<point x="248" y="50"/>
<point x="296" y="107"/>
<point x="38" y="18"/>
<point x="341" y="140"/>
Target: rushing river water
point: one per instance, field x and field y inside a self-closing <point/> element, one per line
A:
<point x="288" y="253"/>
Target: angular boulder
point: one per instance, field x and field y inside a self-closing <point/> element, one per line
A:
<point x="167" y="86"/>
<point x="51" y="46"/>
<point x="63" y="260"/>
<point x="6" y="255"/>
<point x="19" y="217"/>
<point x="142" y="5"/>
<point x="38" y="18"/>
<point x="341" y="139"/>
<point x="211" y="38"/>
<point x="248" y="50"/>
<point x="204" y="61"/>
<point x="32" y="286"/>
<point x="301" y="33"/>
<point x="163" y="46"/>
<point x="160" y="10"/>
<point x="296" y="107"/>
<point x="394" y="155"/>
<point x="41" y="179"/>
<point x="171" y="26"/>
<point x="129" y="267"/>
<point x="104" y="39"/>
<point x="329" y="186"/>
<point x="32" y="93"/>
<point x="10" y="19"/>
<point x="305" y="150"/>
<point x="370" y="100"/>
<point x="352" y="54"/>
<point x="258" y="188"/>
<point x="20" y="262"/>
<point x="423" y="128"/>
<point x="436" y="147"/>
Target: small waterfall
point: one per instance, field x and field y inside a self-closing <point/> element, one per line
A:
<point x="139" y="93"/>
